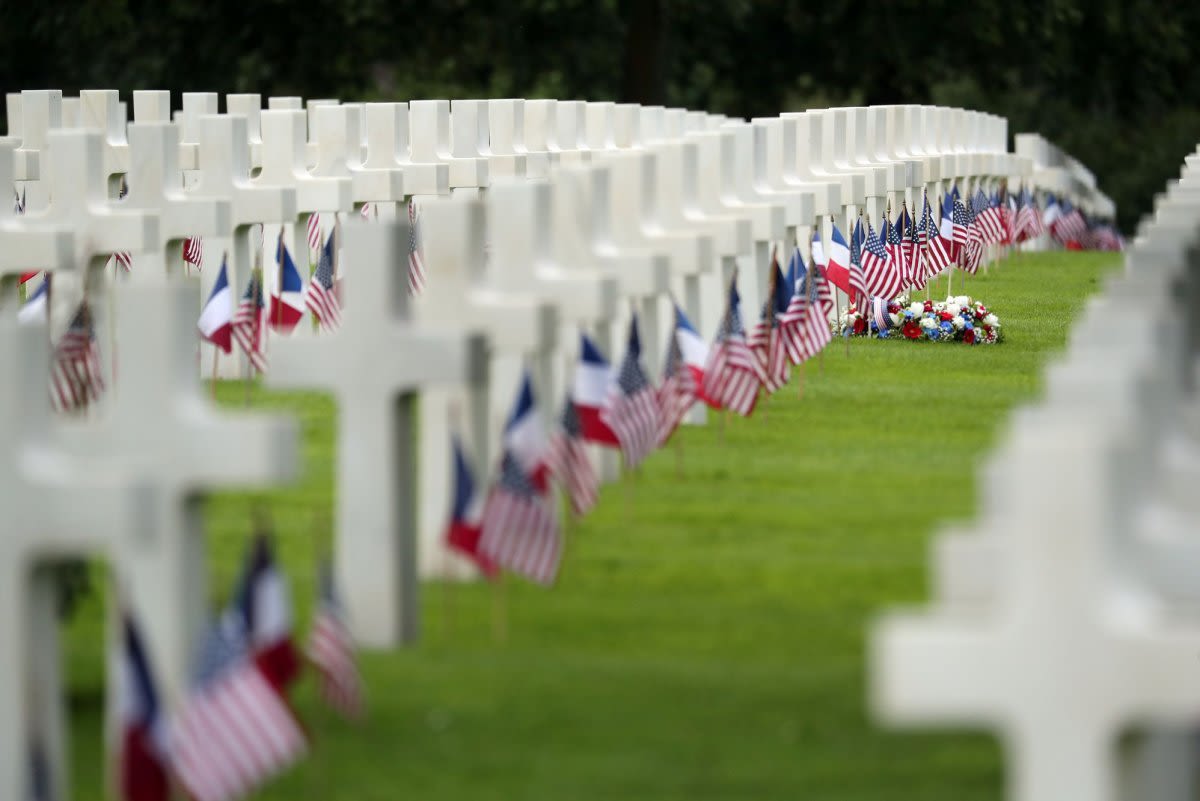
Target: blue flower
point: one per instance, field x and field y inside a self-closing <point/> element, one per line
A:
<point x="907" y="314"/>
<point x="947" y="327"/>
<point x="970" y="327"/>
<point x="933" y="333"/>
<point x="883" y="334"/>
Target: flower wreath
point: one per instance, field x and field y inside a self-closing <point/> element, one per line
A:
<point x="957" y="319"/>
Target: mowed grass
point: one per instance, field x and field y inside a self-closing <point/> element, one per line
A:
<point x="706" y="638"/>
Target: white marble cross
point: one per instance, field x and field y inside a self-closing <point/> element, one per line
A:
<point x="101" y="110"/>
<point x="1066" y="659"/>
<point x="430" y="137"/>
<point x="506" y="123"/>
<point x="79" y="200"/>
<point x="388" y="149"/>
<point x="160" y="428"/>
<point x="54" y="508"/>
<point x="678" y="207"/>
<point x="156" y="186"/>
<point x="731" y="148"/>
<point x="283" y="165"/>
<point x="249" y="106"/>
<point x="195" y="106"/>
<point x="41" y="111"/>
<point x="224" y="172"/>
<point x="26" y="243"/>
<point x="520" y="329"/>
<point x="470" y="138"/>
<point x="897" y="148"/>
<point x="520" y="219"/>
<point x="152" y="105"/>
<point x="634" y="225"/>
<point x="375" y="364"/>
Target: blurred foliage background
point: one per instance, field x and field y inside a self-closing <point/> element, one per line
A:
<point x="1114" y="82"/>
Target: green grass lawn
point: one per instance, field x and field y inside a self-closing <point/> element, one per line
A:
<point x="706" y="638"/>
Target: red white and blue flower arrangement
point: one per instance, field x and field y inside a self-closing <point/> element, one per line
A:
<point x="956" y="319"/>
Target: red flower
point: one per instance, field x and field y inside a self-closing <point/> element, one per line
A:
<point x="946" y="316"/>
<point x="894" y="308"/>
<point x="911" y="330"/>
<point x="969" y="336"/>
<point x="929" y="305"/>
<point x="860" y="325"/>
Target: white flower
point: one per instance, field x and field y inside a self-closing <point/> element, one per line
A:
<point x="991" y="320"/>
<point x="896" y="318"/>
<point x="953" y="308"/>
<point x="963" y="300"/>
<point x="929" y="322"/>
<point x="958" y="323"/>
<point x="917" y="307"/>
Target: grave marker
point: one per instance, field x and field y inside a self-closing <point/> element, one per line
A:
<point x="377" y="479"/>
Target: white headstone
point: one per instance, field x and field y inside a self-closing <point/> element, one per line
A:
<point x="375" y="364"/>
<point x="54" y="508"/>
<point x="156" y="186"/>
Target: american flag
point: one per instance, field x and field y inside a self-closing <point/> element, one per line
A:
<point x="568" y="462"/>
<point x="677" y="393"/>
<point x="936" y="256"/>
<point x="75" y="377"/>
<point x="314" y="231"/>
<point x="234" y="730"/>
<point x="321" y="295"/>
<point x="972" y="254"/>
<point x="882" y="279"/>
<point x="331" y="651"/>
<point x="895" y="248"/>
<point x="858" y="281"/>
<point x="733" y="375"/>
<point x="989" y="219"/>
<point x="193" y="251"/>
<point x="631" y="409"/>
<point x="962" y="222"/>
<point x="416" y="265"/>
<point x="767" y="340"/>
<point x="916" y="251"/>
<point x="879" y="310"/>
<point x="807" y="316"/>
<point x="247" y="323"/>
<point x="520" y="532"/>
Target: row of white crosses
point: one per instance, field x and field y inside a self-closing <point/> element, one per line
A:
<point x="1058" y="172"/>
<point x="1066" y="616"/>
<point x="594" y="205"/>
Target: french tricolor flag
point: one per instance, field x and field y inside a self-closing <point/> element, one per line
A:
<point x="216" y="319"/>
<point x="265" y="604"/>
<point x="525" y="436"/>
<point x="589" y="392"/>
<point x="35" y="308"/>
<point x="694" y="351"/>
<point x="838" y="268"/>
<point x="143" y="725"/>
<point x="466" y="525"/>
<point x="287" y="299"/>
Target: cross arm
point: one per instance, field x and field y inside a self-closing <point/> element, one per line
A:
<point x="929" y="669"/>
<point x="26" y="247"/>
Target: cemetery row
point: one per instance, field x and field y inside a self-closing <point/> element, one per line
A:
<point x="1064" y="618"/>
<point x="542" y="239"/>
